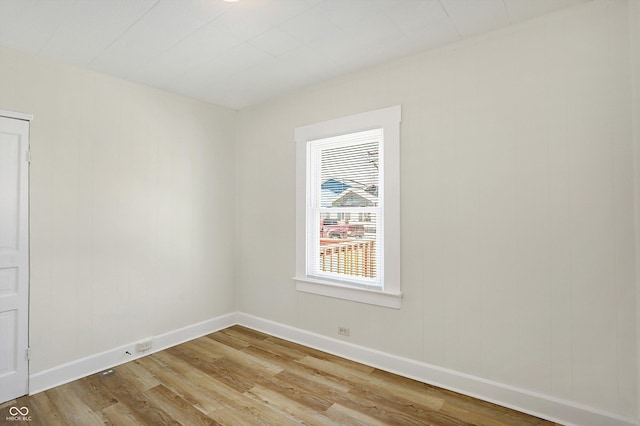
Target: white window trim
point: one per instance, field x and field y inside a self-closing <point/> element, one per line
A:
<point x="389" y="119"/>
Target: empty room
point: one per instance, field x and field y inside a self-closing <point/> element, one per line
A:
<point x="357" y="212"/>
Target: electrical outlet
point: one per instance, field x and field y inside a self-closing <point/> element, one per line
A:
<point x="143" y="345"/>
<point x="107" y="372"/>
<point x="344" y="331"/>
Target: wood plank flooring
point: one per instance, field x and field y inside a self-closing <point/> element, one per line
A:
<point x="239" y="376"/>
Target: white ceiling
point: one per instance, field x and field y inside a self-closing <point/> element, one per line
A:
<point x="239" y="54"/>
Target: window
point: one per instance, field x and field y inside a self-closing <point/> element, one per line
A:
<point x="347" y="208"/>
<point x="341" y="172"/>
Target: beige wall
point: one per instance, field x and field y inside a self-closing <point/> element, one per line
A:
<point x="517" y="208"/>
<point x="635" y="67"/>
<point x="132" y="208"/>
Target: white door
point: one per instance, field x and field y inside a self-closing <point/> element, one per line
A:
<point x="14" y="258"/>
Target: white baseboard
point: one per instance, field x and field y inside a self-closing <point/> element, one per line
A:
<point x="540" y="405"/>
<point x="92" y="364"/>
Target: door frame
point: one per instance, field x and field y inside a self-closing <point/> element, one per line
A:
<point x="16" y="115"/>
<point x="28" y="118"/>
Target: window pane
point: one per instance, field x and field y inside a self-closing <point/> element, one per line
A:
<point x="349" y="175"/>
<point x="348" y="248"/>
<point x="344" y="212"/>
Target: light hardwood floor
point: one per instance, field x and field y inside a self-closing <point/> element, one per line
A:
<point x="239" y="376"/>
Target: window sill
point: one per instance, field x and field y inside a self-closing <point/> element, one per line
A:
<point x="346" y="292"/>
